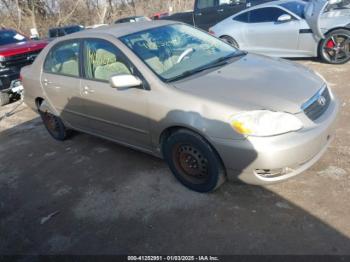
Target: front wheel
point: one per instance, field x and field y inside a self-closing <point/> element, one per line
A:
<point x="335" y="48"/>
<point x="193" y="161"/>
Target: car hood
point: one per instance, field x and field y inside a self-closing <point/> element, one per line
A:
<point x="22" y="47"/>
<point x="256" y="82"/>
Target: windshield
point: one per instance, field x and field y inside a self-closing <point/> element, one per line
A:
<point x="172" y="50"/>
<point x="11" y="37"/>
<point x="295" y="7"/>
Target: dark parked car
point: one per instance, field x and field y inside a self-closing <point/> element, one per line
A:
<point x="207" y="13"/>
<point x="16" y="51"/>
<point x="132" y="19"/>
<point x="66" y="30"/>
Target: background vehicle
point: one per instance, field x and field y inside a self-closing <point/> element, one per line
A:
<point x="159" y="15"/>
<point x="66" y="30"/>
<point x="132" y="19"/>
<point x="176" y="92"/>
<point x="16" y="51"/>
<point x="290" y="29"/>
<point x="210" y="12"/>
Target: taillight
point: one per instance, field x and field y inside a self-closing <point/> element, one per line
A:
<point x="211" y="32"/>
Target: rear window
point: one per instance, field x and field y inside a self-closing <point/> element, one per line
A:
<point x="242" y="17"/>
<point x="11" y="37"/>
<point x="201" y="4"/>
<point x="295" y="7"/>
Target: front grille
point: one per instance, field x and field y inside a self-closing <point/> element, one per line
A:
<point x="318" y="104"/>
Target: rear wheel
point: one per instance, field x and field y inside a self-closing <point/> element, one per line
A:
<point x="54" y="125"/>
<point x="335" y="48"/>
<point x="193" y="161"/>
<point x="230" y="41"/>
<point x="4" y="98"/>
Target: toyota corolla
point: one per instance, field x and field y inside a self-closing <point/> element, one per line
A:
<point x="211" y="111"/>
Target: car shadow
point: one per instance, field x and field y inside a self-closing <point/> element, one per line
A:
<point x="90" y="196"/>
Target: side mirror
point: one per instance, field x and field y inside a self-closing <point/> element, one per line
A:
<point x="284" y="18"/>
<point x="122" y="82"/>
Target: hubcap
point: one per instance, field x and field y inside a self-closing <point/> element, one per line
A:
<point x="337" y="48"/>
<point x="191" y="163"/>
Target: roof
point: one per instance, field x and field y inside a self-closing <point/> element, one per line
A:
<point x="119" y="30"/>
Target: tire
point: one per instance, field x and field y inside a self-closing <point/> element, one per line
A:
<point x="229" y="40"/>
<point x="193" y="161"/>
<point x="335" y="48"/>
<point x="54" y="126"/>
<point x="4" y="98"/>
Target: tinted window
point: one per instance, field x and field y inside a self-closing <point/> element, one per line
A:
<point x="205" y="4"/>
<point x="231" y="2"/>
<point x="242" y="17"/>
<point x="103" y="60"/>
<point x="295" y="7"/>
<point x="267" y="14"/>
<point x="10" y="37"/>
<point x="72" y="29"/>
<point x="63" y="59"/>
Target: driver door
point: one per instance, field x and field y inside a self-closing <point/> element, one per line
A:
<point x="119" y="115"/>
<point x="313" y="12"/>
<point x="265" y="34"/>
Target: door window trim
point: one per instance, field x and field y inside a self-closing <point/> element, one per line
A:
<point x="124" y="58"/>
<point x="57" y="45"/>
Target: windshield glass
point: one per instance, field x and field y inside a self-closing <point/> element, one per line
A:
<point x="295" y="7"/>
<point x="11" y="37"/>
<point x="172" y="50"/>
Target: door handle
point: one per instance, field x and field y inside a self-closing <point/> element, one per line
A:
<point x="87" y="90"/>
<point x="198" y="14"/>
<point x="220" y="10"/>
<point x="47" y="82"/>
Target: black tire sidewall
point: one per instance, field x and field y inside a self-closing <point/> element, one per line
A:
<point x="215" y="165"/>
<point x="62" y="134"/>
<point x="324" y="42"/>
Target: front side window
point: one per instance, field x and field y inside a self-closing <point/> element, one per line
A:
<point x="267" y="14"/>
<point x="63" y="59"/>
<point x="201" y="4"/>
<point x="103" y="60"/>
<point x="172" y="50"/>
<point x="11" y="37"/>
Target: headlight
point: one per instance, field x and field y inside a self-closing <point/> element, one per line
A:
<point x="265" y="123"/>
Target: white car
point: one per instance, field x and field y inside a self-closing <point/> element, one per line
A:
<point x="292" y="28"/>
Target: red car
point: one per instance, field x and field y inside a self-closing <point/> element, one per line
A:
<point x="16" y="51"/>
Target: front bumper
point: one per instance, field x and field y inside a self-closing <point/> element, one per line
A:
<point x="284" y="156"/>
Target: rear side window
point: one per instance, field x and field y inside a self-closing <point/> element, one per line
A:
<point x="63" y="59"/>
<point x="201" y="4"/>
<point x="103" y="60"/>
<point x="267" y="14"/>
<point x="244" y="18"/>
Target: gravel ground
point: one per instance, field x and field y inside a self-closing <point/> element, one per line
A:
<point x="90" y="196"/>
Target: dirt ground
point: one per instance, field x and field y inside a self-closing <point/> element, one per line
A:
<point x="90" y="196"/>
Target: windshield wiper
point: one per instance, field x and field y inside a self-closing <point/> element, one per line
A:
<point x="217" y="63"/>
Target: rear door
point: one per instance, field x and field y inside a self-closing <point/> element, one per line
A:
<point x="313" y="12"/>
<point x="60" y="80"/>
<point x="227" y="8"/>
<point x="205" y="14"/>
